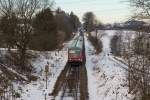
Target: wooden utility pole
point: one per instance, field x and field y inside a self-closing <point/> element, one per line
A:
<point x="46" y="72"/>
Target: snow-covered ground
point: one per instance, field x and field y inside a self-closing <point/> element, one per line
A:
<point x="107" y="78"/>
<point x="37" y="90"/>
<point x="57" y="61"/>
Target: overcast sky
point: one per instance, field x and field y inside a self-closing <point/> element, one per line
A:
<point x="107" y="11"/>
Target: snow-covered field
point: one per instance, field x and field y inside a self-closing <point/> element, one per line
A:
<point x="107" y="79"/>
<point x="37" y="90"/>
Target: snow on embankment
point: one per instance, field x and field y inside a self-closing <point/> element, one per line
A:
<point x="7" y="73"/>
<point x="36" y="90"/>
<point x="11" y="72"/>
<point x="107" y="80"/>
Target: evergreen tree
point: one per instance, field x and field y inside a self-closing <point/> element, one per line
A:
<point x="45" y="31"/>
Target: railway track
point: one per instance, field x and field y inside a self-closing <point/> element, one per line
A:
<point x="70" y="87"/>
<point x="72" y="84"/>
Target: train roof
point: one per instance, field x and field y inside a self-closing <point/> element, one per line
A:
<point x="77" y="42"/>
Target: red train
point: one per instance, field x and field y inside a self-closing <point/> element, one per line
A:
<point x="76" y="51"/>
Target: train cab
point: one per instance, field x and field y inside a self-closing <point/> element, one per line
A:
<point x="75" y="51"/>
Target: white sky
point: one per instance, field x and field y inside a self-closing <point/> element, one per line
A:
<point x="107" y="11"/>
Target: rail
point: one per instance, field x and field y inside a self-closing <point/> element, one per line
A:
<point x="70" y="87"/>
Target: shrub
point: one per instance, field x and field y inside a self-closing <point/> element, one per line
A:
<point x="96" y="43"/>
<point x="32" y="78"/>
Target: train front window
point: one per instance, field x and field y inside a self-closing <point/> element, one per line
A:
<point x="74" y="52"/>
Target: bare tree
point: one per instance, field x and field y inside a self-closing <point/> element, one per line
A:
<point x="23" y="10"/>
<point x="47" y="4"/>
<point x="89" y="20"/>
<point x="138" y="64"/>
<point x="142" y="8"/>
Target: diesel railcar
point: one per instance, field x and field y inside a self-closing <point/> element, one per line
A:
<point x="75" y="51"/>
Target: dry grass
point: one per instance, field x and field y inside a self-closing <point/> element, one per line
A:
<point x="96" y="43"/>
